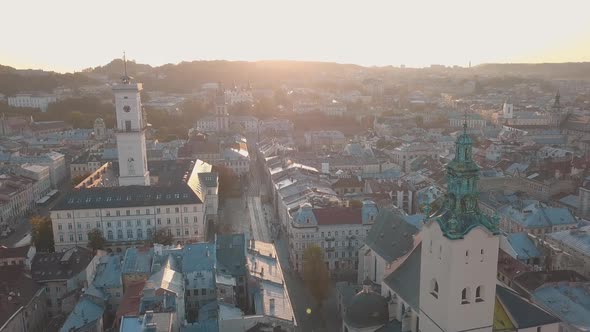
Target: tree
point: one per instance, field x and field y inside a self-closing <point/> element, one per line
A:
<point x="162" y="237"/>
<point x="96" y="240"/>
<point x="42" y="234"/>
<point x="355" y="203"/>
<point x="315" y="273"/>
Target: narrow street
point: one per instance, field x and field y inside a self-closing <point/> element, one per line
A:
<point x="22" y="227"/>
<point x="261" y="218"/>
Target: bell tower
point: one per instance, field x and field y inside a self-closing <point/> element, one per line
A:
<point x="459" y="254"/>
<point x="130" y="131"/>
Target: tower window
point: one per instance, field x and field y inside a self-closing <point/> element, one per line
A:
<point x="465" y="296"/>
<point x="479" y="294"/>
<point x="434" y="288"/>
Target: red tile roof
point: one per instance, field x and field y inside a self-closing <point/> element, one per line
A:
<point x="338" y="216"/>
<point x="14" y="252"/>
<point x="130" y="303"/>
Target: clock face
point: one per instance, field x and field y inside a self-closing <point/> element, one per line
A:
<point x="126" y="108"/>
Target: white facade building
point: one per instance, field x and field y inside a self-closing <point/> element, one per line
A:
<point x="131" y="125"/>
<point x="128" y="216"/>
<point x="33" y="101"/>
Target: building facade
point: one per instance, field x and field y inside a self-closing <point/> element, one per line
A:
<point x="32" y="101"/>
<point x="338" y="231"/>
<point x="128" y="216"/>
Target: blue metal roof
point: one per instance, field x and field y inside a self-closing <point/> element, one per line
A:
<point x="137" y="261"/>
<point x="108" y="272"/>
<point x="578" y="239"/>
<point x="198" y="257"/>
<point x="523" y="246"/>
<point x="569" y="302"/>
<point x="84" y="313"/>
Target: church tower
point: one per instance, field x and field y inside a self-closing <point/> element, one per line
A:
<point x="130" y="131"/>
<point x="556" y="115"/>
<point x="508" y="110"/>
<point x="459" y="254"/>
<point x="221" y="114"/>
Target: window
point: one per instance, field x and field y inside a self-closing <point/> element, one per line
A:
<point x="147" y="211"/>
<point x="158" y="210"/>
<point x="186" y="220"/>
<point x="185" y="209"/>
<point x="167" y="210"/>
<point x="61" y="238"/>
<point x="138" y="222"/>
<point x="119" y="234"/>
<point x="70" y="226"/>
<point x="118" y="213"/>
<point x="79" y="226"/>
<point x="110" y="235"/>
<point x="176" y="210"/>
<point x="168" y="221"/>
<point x="128" y="223"/>
<point x="434" y="288"/>
<point x="479" y="294"/>
<point x="178" y="232"/>
<point x="129" y="234"/>
<point x="127" y="125"/>
<point x="71" y="237"/>
<point x="465" y="296"/>
<point x="59" y="227"/>
<point x="177" y="220"/>
<point x="118" y="223"/>
<point x="195" y="219"/>
<point x="186" y="232"/>
<point x="139" y="233"/>
<point x="79" y="237"/>
<point x="148" y="222"/>
<point x="137" y="212"/>
<point x="159" y="221"/>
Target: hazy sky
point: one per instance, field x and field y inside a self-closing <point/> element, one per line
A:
<point x="67" y="35"/>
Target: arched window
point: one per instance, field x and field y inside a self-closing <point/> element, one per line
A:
<point x="434" y="288"/>
<point x="479" y="294"/>
<point x="465" y="296"/>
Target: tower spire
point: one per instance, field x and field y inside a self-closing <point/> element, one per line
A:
<point x="465" y="121"/>
<point x="126" y="79"/>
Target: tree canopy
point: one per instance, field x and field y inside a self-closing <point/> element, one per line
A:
<point x="42" y="234"/>
<point x="315" y="273"/>
<point x="96" y="240"/>
<point x="161" y="236"/>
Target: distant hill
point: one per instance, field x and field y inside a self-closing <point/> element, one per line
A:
<point x="568" y="70"/>
<point x="189" y="76"/>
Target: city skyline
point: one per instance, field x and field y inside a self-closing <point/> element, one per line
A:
<point x="69" y="37"/>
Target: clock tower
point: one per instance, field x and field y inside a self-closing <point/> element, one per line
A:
<point x="130" y="131"/>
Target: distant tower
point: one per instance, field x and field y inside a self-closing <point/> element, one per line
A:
<point x="508" y="110"/>
<point x="130" y="131"/>
<point x="100" y="129"/>
<point x="221" y="114"/>
<point x="556" y="115"/>
<point x="557" y="103"/>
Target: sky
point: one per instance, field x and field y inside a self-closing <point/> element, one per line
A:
<point x="70" y="35"/>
